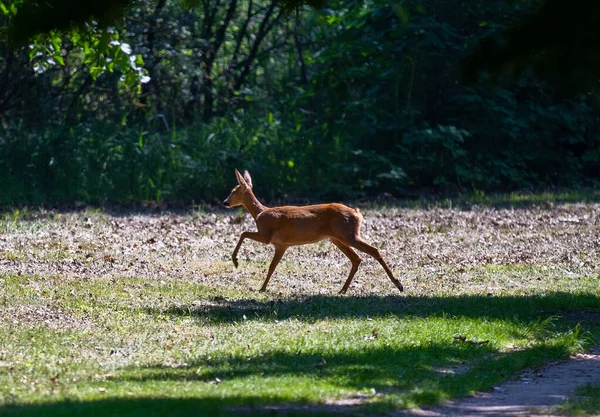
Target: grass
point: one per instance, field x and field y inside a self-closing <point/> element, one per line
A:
<point x="121" y="343"/>
<point x="466" y="200"/>
<point x="586" y="402"/>
<point x="166" y="326"/>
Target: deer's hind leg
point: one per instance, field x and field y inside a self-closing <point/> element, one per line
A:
<point x="361" y="245"/>
<point x="354" y="259"/>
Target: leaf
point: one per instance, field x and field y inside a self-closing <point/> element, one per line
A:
<point x="96" y="71"/>
<point x="75" y="38"/>
<point x="56" y="42"/>
<point x="126" y="48"/>
<point x="402" y="13"/>
<point x="58" y="58"/>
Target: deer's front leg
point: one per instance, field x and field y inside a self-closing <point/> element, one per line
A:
<point x="279" y="251"/>
<point x="258" y="236"/>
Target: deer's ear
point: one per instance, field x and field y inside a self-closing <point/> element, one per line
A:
<point x="248" y="178"/>
<point x="241" y="179"/>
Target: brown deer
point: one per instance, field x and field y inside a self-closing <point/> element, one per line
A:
<point x="292" y="225"/>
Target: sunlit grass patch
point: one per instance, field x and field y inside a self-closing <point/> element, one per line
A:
<point x="502" y="269"/>
<point x="134" y="338"/>
<point x="25" y="220"/>
<point x="12" y="256"/>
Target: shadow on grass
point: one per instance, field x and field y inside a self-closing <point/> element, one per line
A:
<point x="411" y="374"/>
<point x="573" y="306"/>
<point x="545" y="199"/>
<point x="406" y="376"/>
<point x="422" y="374"/>
<point x="164" y="407"/>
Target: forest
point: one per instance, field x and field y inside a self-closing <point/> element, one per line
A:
<point x="354" y="99"/>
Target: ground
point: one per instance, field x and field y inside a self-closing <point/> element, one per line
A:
<point x="483" y="285"/>
<point x="535" y="393"/>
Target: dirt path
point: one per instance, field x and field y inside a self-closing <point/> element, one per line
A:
<point x="532" y="394"/>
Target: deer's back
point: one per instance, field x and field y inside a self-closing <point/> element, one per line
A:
<point x="297" y="225"/>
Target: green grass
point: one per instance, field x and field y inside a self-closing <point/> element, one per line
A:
<point x="12" y="221"/>
<point x="144" y="348"/>
<point x="586" y="402"/>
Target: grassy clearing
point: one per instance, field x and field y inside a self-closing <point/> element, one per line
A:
<point x="106" y="314"/>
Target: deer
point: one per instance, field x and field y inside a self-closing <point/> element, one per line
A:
<point x="287" y="226"/>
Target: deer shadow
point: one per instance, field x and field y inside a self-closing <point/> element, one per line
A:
<point x="318" y="307"/>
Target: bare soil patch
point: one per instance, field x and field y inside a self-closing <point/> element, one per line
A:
<point x="534" y="393"/>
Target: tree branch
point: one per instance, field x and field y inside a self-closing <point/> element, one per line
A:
<point x="265" y="26"/>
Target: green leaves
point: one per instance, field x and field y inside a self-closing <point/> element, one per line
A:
<point x="98" y="48"/>
<point x="33" y="18"/>
<point x="342" y="102"/>
<point x="8" y="9"/>
<point x="46" y="52"/>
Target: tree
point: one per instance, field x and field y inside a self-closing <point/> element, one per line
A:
<point x="556" y="41"/>
<point x="52" y="30"/>
<point x="37" y="17"/>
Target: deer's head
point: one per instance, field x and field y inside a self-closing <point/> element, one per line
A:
<point x="241" y="191"/>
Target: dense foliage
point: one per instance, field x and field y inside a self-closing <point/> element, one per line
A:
<point x="359" y="99"/>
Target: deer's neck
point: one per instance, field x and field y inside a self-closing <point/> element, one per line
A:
<point x="253" y="206"/>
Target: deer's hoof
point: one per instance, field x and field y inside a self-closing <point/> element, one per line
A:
<point x="235" y="262"/>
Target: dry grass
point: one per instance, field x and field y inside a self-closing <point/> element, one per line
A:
<point x="437" y="249"/>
